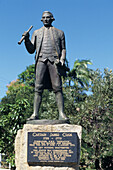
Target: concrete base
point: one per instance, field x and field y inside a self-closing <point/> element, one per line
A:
<point x="21" y="147"/>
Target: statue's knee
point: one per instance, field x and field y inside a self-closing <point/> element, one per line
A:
<point x="57" y="89"/>
<point x="38" y="88"/>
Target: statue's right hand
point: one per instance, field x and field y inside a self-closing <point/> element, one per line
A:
<point x="26" y="35"/>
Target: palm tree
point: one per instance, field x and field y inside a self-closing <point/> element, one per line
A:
<point x="80" y="75"/>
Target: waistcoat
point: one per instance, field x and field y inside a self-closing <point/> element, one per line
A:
<point x="48" y="48"/>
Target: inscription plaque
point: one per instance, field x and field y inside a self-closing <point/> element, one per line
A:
<point x="52" y="147"/>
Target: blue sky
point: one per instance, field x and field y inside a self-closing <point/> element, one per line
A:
<point x="87" y="24"/>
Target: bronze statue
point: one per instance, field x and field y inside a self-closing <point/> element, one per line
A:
<point x="49" y="44"/>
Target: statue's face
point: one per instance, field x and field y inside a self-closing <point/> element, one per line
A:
<point x="46" y="18"/>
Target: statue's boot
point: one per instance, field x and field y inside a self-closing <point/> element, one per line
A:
<point x="60" y="104"/>
<point x="37" y="103"/>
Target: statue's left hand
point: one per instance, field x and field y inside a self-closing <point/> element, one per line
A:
<point x="62" y="62"/>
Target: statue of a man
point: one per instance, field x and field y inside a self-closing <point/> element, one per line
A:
<point x="49" y="44"/>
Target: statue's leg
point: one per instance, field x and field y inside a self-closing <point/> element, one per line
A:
<point x="40" y="71"/>
<point x="37" y="103"/>
<point x="60" y="104"/>
<point x="57" y="88"/>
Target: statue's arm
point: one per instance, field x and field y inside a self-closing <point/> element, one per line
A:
<point x="30" y="45"/>
<point x="63" y="47"/>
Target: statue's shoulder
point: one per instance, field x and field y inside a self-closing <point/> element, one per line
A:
<point x="38" y="31"/>
<point x="56" y="29"/>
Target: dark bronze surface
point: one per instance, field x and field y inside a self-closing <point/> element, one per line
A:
<point x="49" y="44"/>
<point x="47" y="122"/>
<point x="52" y="147"/>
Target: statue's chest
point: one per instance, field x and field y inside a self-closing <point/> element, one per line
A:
<point x="47" y="37"/>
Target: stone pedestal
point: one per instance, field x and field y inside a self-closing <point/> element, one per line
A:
<point x="21" y="147"/>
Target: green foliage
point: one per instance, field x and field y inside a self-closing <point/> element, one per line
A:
<point x="96" y="120"/>
<point x="15" y="108"/>
<point x="12" y="118"/>
<point x="81" y="74"/>
<point x="48" y="108"/>
<point x="28" y="76"/>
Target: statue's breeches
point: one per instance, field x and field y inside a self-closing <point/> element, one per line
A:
<point x="41" y="75"/>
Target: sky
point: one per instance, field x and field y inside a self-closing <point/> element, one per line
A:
<point x="87" y="24"/>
